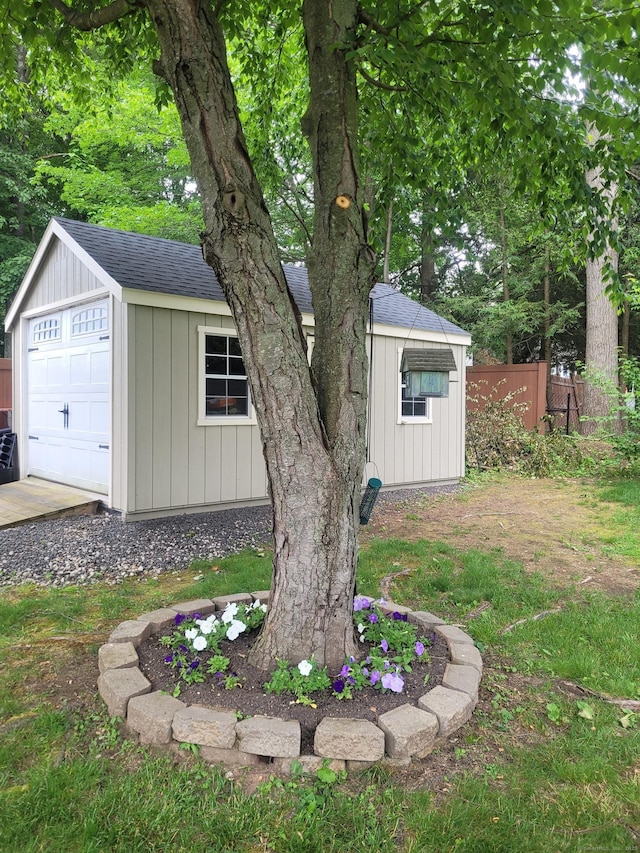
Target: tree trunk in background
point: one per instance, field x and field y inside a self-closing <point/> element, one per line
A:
<point x="547" y="323"/>
<point x="506" y="295"/>
<point x="427" y="259"/>
<point x="312" y="423"/>
<point x="601" y="350"/>
<point x="387" y="242"/>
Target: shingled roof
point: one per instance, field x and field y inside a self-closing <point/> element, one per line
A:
<point x="141" y="262"/>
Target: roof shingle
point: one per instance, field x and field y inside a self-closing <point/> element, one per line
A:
<point x="141" y="262"/>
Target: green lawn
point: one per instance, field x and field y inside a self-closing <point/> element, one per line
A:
<point x="539" y="768"/>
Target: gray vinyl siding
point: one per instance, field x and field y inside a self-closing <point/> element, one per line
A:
<point x="63" y="276"/>
<point x="173" y="462"/>
<point x="414" y="453"/>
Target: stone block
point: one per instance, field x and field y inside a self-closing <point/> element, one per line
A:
<point x="269" y="736"/>
<point x="389" y="607"/>
<point x="205" y="726"/>
<point x="118" y="686"/>
<point x="151" y="716"/>
<point x="356" y="740"/>
<point x="230" y="758"/>
<point x="160" y="619"/>
<point x="263" y="596"/>
<point x="117" y="656"/>
<point x="452" y="708"/>
<point x="408" y="731"/>
<point x="463" y="653"/>
<point x="463" y="678"/>
<point x="452" y="634"/>
<point x="424" y="620"/>
<point x="132" y="631"/>
<point x="203" y="606"/>
<point x="236" y="598"/>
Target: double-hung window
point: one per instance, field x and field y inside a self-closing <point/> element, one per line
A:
<point x="224" y="388"/>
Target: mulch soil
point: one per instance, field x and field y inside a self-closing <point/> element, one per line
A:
<point x="250" y="699"/>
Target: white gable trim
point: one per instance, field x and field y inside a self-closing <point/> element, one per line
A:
<point x="407" y="335"/>
<point x="54" y="231"/>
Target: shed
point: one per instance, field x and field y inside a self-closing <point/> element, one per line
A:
<point x="128" y="379"/>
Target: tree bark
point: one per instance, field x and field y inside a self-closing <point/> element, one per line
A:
<point x="547" y="323"/>
<point x="601" y="349"/>
<point x="506" y="295"/>
<point x="312" y="423"/>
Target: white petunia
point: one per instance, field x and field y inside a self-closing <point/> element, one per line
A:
<point x="305" y="667"/>
<point x="200" y="643"/>
<point x="191" y="633"/>
<point x="360" y="627"/>
<point x="207" y="625"/>
<point x="235" y="629"/>
<point x="229" y="612"/>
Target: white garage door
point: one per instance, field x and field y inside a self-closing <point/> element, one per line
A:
<point x="68" y="393"/>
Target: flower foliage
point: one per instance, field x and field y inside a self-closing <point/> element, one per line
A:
<point x="193" y="635"/>
<point x="393" y="645"/>
<point x="391" y="642"/>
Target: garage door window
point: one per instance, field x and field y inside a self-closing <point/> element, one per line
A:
<point x="89" y="320"/>
<point x="46" y="330"/>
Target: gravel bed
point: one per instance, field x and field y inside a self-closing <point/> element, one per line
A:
<point x="85" y="548"/>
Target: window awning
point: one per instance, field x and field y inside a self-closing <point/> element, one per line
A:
<point x="429" y="360"/>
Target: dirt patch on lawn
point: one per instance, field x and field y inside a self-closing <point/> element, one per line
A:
<point x="551" y="526"/>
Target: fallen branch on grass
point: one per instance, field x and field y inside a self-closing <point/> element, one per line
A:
<point x="530" y="619"/>
<point x="570" y="687"/>
<point x="386" y="582"/>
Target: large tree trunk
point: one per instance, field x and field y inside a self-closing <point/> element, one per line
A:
<point x="312" y="424"/>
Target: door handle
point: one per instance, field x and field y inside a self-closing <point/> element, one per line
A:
<point x="65" y="412"/>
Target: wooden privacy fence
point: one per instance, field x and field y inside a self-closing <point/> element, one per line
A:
<point x="5" y="392"/>
<point x="496" y="381"/>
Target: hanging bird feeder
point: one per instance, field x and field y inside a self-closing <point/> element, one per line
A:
<point x="369" y="499"/>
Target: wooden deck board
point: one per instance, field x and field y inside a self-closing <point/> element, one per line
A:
<point x="34" y="500"/>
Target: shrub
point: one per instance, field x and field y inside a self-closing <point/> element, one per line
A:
<point x="497" y="438"/>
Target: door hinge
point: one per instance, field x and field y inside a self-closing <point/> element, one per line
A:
<point x="103" y="447"/>
<point x="103" y="338"/>
<point x="34" y="438"/>
<point x="32" y="349"/>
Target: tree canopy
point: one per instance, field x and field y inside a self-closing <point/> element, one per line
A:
<point x="331" y="114"/>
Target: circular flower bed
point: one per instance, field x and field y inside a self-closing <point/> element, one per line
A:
<point x="181" y="674"/>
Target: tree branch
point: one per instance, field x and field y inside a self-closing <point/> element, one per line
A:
<point x="379" y="84"/>
<point x="87" y="21"/>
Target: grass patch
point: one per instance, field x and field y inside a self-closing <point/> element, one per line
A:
<point x="535" y="771"/>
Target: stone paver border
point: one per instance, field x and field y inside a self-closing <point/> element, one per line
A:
<point x="410" y="731"/>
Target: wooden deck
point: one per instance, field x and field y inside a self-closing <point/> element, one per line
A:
<point x="35" y="500"/>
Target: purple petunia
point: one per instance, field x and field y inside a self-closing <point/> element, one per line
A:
<point x="168" y="659"/>
<point x="180" y="617"/>
<point x="399" y="617"/>
<point x="361" y="603"/>
<point x="392" y="681"/>
<point x="345" y="671"/>
<point x="384" y="645"/>
<point x="182" y="648"/>
<point x="338" y="686"/>
<point x="373" y="617"/>
<point x="375" y="677"/>
<point x="194" y="664"/>
<point x="419" y="647"/>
